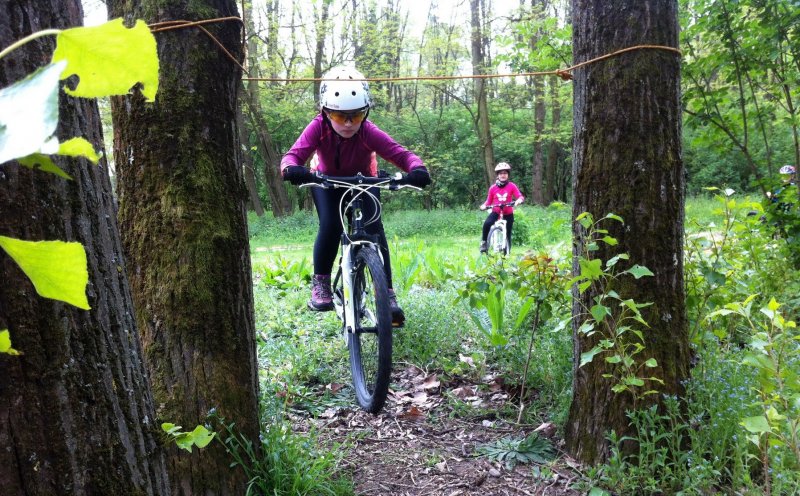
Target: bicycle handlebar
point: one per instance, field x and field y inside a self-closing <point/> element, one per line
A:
<point x="384" y="181"/>
<point x="502" y="205"/>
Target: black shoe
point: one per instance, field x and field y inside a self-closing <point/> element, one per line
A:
<point x="398" y="317"/>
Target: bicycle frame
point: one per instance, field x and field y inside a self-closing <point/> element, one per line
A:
<point x="355" y="237"/>
<point x="500" y="224"/>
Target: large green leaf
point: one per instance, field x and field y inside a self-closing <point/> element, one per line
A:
<point x="56" y="268"/>
<point x="756" y="425"/>
<point x="44" y="164"/>
<point x="29" y="114"/>
<point x="109" y="59"/>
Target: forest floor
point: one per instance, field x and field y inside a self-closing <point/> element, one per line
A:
<point x="420" y="445"/>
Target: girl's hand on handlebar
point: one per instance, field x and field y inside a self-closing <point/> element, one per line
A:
<point x="418" y="177"/>
<point x="297" y="175"/>
<point x="483" y="207"/>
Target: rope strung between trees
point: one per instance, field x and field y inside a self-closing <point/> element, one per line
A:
<point x="564" y="74"/>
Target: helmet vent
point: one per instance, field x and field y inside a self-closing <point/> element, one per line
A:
<point x="337" y="93"/>
<point x="353" y="92"/>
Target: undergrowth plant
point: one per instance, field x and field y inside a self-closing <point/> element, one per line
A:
<point x="773" y="350"/>
<point x="616" y="322"/>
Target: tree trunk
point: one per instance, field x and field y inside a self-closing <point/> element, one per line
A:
<point x="248" y="167"/>
<point x="549" y="188"/>
<point x="76" y="412"/>
<point x="627" y="160"/>
<point x="539" y="114"/>
<point x="281" y="205"/>
<point x="184" y="231"/>
<point x="479" y="67"/>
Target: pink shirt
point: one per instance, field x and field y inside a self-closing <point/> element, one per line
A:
<point x="354" y="154"/>
<point x="506" y="194"/>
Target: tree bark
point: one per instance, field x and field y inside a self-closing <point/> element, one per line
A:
<point x="183" y="223"/>
<point x="550" y="189"/>
<point x="539" y="114"/>
<point x="76" y="412"/>
<point x="281" y="205"/>
<point x="627" y="160"/>
<point x="479" y="67"/>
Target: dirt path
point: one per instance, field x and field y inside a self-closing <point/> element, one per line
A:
<point x="419" y="446"/>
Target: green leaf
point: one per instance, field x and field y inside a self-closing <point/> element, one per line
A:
<point x="44" y="164"/>
<point x="57" y="269"/>
<point x="651" y="363"/>
<point x="610" y="241"/>
<point x="756" y="425"/>
<point x="639" y="271"/>
<point x="590" y="269"/>
<point x="599" y="312"/>
<point x="201" y="436"/>
<point x="109" y="59"/>
<point x="613" y="260"/>
<point x="614" y="217"/>
<point x="588" y="356"/>
<point x="29" y="114"/>
<point x="5" y="343"/>
<point x="78" y="147"/>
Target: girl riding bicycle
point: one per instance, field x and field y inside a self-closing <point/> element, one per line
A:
<point x="502" y="191"/>
<point x="344" y="141"/>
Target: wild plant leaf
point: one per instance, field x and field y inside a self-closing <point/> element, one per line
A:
<point x="78" y="147"/>
<point x="639" y="271"/>
<point x="5" y="343"/>
<point x="89" y="51"/>
<point x="756" y="425"/>
<point x="44" y="163"/>
<point x="29" y="114"/>
<point x="588" y="356"/>
<point x="57" y="269"/>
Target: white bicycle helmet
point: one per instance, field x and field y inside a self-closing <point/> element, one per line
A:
<point x="342" y="90"/>
<point x="502" y="166"/>
<point x="787" y="169"/>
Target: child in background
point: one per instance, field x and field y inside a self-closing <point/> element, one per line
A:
<point x="502" y="191"/>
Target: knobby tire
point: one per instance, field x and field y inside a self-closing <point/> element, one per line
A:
<point x="371" y="344"/>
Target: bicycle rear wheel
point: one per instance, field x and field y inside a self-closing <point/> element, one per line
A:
<point x="370" y="344"/>
<point x="497" y="241"/>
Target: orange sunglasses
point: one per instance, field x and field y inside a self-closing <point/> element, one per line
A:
<point x="341" y="118"/>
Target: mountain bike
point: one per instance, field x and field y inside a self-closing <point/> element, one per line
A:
<point x="360" y="288"/>
<point x="497" y="240"/>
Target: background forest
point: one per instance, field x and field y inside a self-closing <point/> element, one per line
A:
<point x="739" y="81"/>
<point x="641" y="342"/>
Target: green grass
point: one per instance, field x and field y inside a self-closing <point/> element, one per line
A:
<point x="434" y="254"/>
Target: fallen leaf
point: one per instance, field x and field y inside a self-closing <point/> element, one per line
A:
<point x="547" y="429"/>
<point x="463" y="392"/>
<point x="420" y="397"/>
<point x="431" y="382"/>
<point x="468" y="360"/>
<point x="441" y="466"/>
<point x="334" y="387"/>
<point x="413" y="413"/>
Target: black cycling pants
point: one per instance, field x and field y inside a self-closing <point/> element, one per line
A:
<point x="491" y="219"/>
<point x="329" y="235"/>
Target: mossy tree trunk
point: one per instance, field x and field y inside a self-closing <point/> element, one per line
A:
<point x="182" y="217"/>
<point x="627" y="160"/>
<point x="76" y="413"/>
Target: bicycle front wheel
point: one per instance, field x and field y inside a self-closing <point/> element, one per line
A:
<point x="370" y="343"/>
<point x="497" y="241"/>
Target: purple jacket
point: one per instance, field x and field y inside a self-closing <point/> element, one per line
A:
<point x="354" y="154"/>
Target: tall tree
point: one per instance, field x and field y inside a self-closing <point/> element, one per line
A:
<point x="480" y="66"/>
<point x="184" y="232"/>
<point x="281" y="206"/>
<point x="627" y="160"/>
<point x="76" y="413"/>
